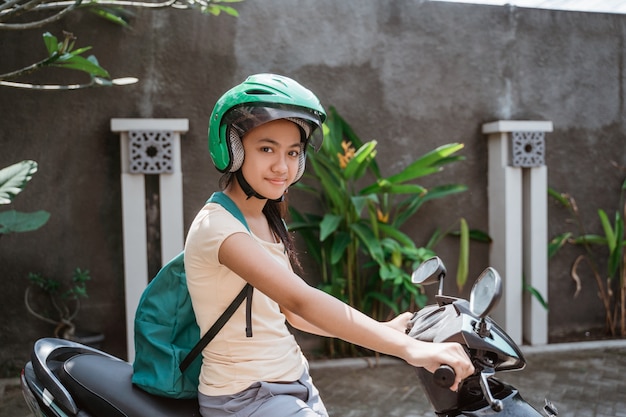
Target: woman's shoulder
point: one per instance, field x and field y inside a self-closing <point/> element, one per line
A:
<point x="214" y="218"/>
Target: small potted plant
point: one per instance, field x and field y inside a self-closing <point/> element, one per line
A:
<point x="58" y="303"/>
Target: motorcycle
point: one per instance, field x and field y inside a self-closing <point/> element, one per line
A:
<point x="491" y="350"/>
<point x="69" y="379"/>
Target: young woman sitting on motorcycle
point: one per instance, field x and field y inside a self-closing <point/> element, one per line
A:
<point x="271" y="120"/>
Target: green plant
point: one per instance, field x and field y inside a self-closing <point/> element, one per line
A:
<point x="13" y="179"/>
<point x="614" y="257"/>
<point x="365" y="258"/>
<point x="57" y="302"/>
<point x="30" y="14"/>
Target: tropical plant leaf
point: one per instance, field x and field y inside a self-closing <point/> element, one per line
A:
<point x="463" y="267"/>
<point x="535" y="293"/>
<point x="369" y="240"/>
<point x="616" y="254"/>
<point x="557" y="242"/>
<point x="359" y="163"/>
<point x="397" y="234"/>
<point x="79" y="63"/>
<point x="118" y="15"/>
<point x="427" y="164"/>
<point x="13" y="179"/>
<point x="51" y="42"/>
<point x="12" y="221"/>
<point x="384" y="186"/>
<point x="589" y="239"/>
<point x="561" y="198"/>
<point x="328" y="225"/>
<point x="340" y="243"/>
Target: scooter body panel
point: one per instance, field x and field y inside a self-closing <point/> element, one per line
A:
<point x="39" y="400"/>
<point x="513" y="406"/>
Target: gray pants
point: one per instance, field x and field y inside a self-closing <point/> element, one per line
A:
<point x="267" y="399"/>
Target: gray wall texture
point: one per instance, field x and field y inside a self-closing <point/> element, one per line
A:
<point x="412" y="74"/>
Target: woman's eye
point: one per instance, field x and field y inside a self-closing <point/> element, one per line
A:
<point x="266" y="149"/>
<point x="295" y="154"/>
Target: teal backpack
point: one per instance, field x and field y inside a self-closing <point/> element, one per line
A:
<point x="167" y="337"/>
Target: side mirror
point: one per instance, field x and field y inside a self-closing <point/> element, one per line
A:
<point x="429" y="272"/>
<point x="485" y="293"/>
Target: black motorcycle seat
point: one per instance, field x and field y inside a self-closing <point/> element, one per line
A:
<point x="102" y="386"/>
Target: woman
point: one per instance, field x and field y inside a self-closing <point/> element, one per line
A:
<point x="254" y="367"/>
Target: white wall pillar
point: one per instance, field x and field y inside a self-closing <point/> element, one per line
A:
<point x="518" y="224"/>
<point x="148" y="146"/>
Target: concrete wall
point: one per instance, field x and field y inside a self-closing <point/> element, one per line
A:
<point x="412" y="74"/>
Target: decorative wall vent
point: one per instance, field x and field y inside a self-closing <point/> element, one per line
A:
<point x="151" y="152"/>
<point x="528" y="149"/>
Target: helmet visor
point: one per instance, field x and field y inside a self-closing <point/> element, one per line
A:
<point x="248" y="116"/>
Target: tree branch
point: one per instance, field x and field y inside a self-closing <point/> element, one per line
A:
<point x="39" y="23"/>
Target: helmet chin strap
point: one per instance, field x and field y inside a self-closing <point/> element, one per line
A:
<point x="250" y="192"/>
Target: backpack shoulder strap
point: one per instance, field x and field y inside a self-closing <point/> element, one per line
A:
<point x="244" y="294"/>
<point x="226" y="202"/>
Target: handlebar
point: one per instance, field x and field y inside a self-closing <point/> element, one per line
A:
<point x="444" y="376"/>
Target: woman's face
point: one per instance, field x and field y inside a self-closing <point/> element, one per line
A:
<point x="272" y="153"/>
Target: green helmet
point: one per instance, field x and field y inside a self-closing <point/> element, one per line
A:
<point x="262" y="98"/>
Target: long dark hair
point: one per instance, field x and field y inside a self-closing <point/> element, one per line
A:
<point x="275" y="212"/>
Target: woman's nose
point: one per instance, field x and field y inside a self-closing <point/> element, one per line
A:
<point x="280" y="164"/>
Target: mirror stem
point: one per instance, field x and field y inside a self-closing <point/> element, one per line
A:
<point x="440" y="291"/>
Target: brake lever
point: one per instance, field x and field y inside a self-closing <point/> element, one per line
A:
<point x="485" y="374"/>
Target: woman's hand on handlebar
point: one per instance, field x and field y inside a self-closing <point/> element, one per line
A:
<point x="432" y="355"/>
<point x="399" y="322"/>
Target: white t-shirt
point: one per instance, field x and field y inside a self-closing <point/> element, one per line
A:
<point x="232" y="361"/>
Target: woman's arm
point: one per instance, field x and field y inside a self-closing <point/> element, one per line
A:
<point x="398" y="323"/>
<point x="244" y="256"/>
<point x="301" y="324"/>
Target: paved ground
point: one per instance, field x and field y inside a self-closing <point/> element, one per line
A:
<point x="581" y="379"/>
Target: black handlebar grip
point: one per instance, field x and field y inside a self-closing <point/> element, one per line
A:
<point x="444" y="376"/>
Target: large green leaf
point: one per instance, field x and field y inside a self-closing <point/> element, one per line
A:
<point x="340" y="243"/>
<point x="369" y="240"/>
<point x="116" y="15"/>
<point x="557" y="243"/>
<point x="444" y="191"/>
<point x="590" y="239"/>
<point x="360" y="202"/>
<point x="51" y="42"/>
<point x="13" y="221"/>
<point x="427" y="164"/>
<point x="617" y="251"/>
<point x="414" y="202"/>
<point x="71" y="61"/>
<point x="561" y="198"/>
<point x="463" y="268"/>
<point x="608" y="230"/>
<point x="535" y="293"/>
<point x="359" y="163"/>
<point x="13" y="179"/>
<point x="385" y="186"/>
<point x="396" y="234"/>
<point x="328" y="225"/>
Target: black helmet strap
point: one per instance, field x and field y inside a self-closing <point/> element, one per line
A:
<point x="250" y="192"/>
